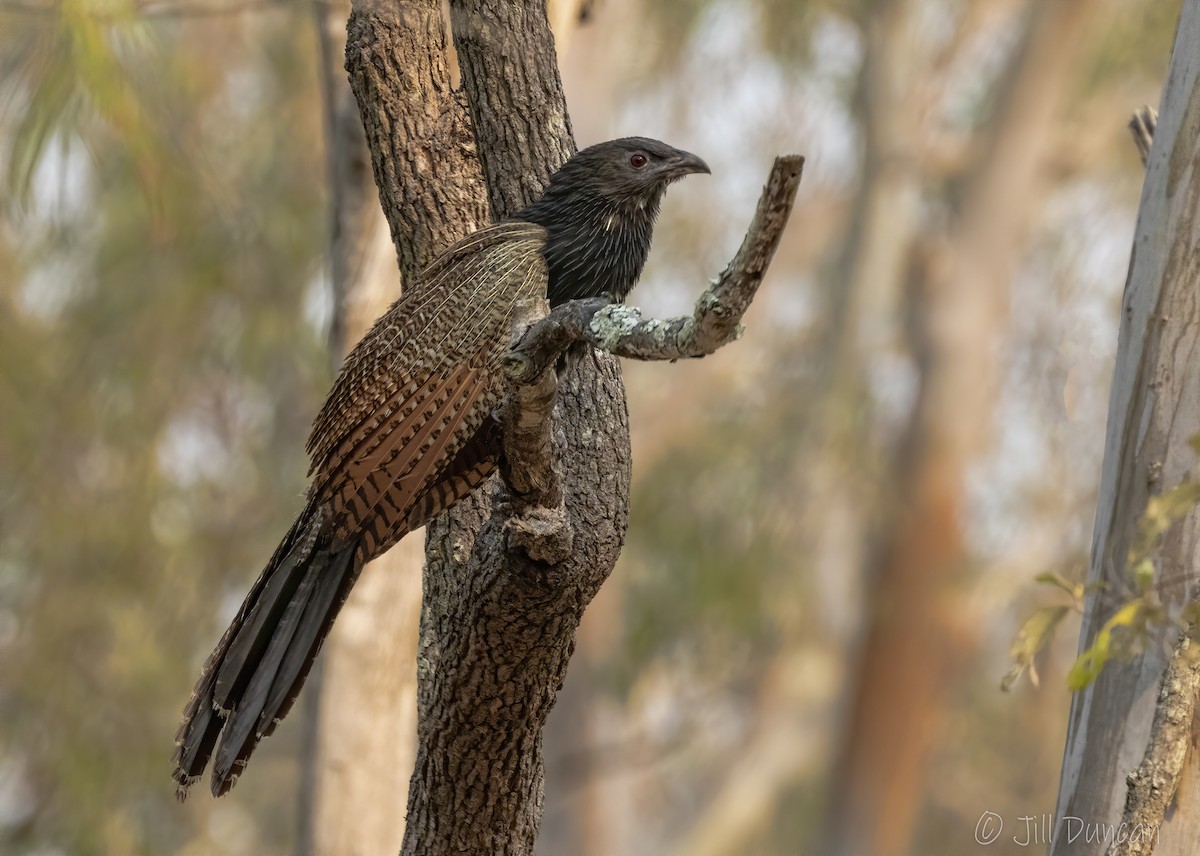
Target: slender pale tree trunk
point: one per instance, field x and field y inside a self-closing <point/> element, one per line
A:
<point x="1129" y="765"/>
<point x="958" y="284"/>
<point x="362" y="711"/>
<point x="363" y="717"/>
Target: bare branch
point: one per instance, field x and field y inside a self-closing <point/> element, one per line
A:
<point x="716" y="320"/>
<point x="1153" y="784"/>
<point x="543" y="342"/>
<point x="536" y="513"/>
<point x="536" y="516"/>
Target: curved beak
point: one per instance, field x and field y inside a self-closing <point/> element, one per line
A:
<point x="685" y="163"/>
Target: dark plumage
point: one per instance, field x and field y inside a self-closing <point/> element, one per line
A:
<point x="407" y="431"/>
<point x="599" y="211"/>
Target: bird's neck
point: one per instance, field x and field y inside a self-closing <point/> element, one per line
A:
<point x="595" y="247"/>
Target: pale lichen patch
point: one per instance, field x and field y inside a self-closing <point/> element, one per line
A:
<point x="612" y="323"/>
<point x="686" y="331"/>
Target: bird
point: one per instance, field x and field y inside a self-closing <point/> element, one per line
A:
<point x="407" y="430"/>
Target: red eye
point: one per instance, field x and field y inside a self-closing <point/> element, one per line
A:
<point x="637" y="161"/>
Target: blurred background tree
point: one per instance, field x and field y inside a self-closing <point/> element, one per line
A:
<point x="930" y="347"/>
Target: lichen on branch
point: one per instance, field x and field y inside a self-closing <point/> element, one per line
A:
<point x="715" y="321"/>
<point x="534" y="512"/>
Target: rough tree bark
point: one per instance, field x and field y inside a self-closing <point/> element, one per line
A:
<point x="1131" y="734"/>
<point x="497" y="626"/>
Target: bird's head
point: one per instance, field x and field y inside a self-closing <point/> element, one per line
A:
<point x="599" y="210"/>
<point x="630" y="171"/>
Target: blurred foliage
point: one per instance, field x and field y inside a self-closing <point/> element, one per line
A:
<point x="1120" y="636"/>
<point x="786" y="25"/>
<point x="1136" y="610"/>
<point x="157" y="370"/>
<point x="702" y="520"/>
<point x="1035" y="633"/>
<point x="72" y="72"/>
<point x="1136" y="43"/>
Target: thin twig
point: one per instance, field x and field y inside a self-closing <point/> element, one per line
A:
<point x="1142" y="125"/>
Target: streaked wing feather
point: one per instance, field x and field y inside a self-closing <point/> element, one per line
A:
<point x="390" y="362"/>
<point x="357" y="466"/>
<point x="415" y="391"/>
<point x="467" y="471"/>
<point x="379" y="510"/>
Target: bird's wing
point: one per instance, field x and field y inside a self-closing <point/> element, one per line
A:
<point x="418" y="387"/>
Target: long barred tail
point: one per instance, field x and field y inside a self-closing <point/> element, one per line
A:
<point x="250" y="681"/>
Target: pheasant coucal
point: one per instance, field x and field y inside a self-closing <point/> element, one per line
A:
<point x="407" y="429"/>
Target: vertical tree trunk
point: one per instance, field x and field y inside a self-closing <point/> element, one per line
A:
<point x="496" y="629"/>
<point x="362" y="735"/>
<point x="959" y="287"/>
<point x="1139" y="715"/>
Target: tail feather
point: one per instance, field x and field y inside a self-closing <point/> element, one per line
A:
<point x="240" y="733"/>
<point x="260" y="664"/>
<point x="324" y="604"/>
<point x="259" y="617"/>
<point x="253" y="677"/>
<point x="196" y="738"/>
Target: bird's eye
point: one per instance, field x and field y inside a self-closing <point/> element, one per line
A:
<point x="637" y="161"/>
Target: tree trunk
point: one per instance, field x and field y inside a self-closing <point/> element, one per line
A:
<point x="1130" y="733"/>
<point x="511" y="568"/>
<point x="496" y="628"/>
<point x="958" y="285"/>
<point x="362" y="734"/>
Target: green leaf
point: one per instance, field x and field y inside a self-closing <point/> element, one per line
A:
<point x="1087" y="667"/>
<point x="1143" y="575"/>
<point x="1162" y="511"/>
<point x="1194" y="442"/>
<point x="1037" y="630"/>
<point x="1075" y="590"/>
